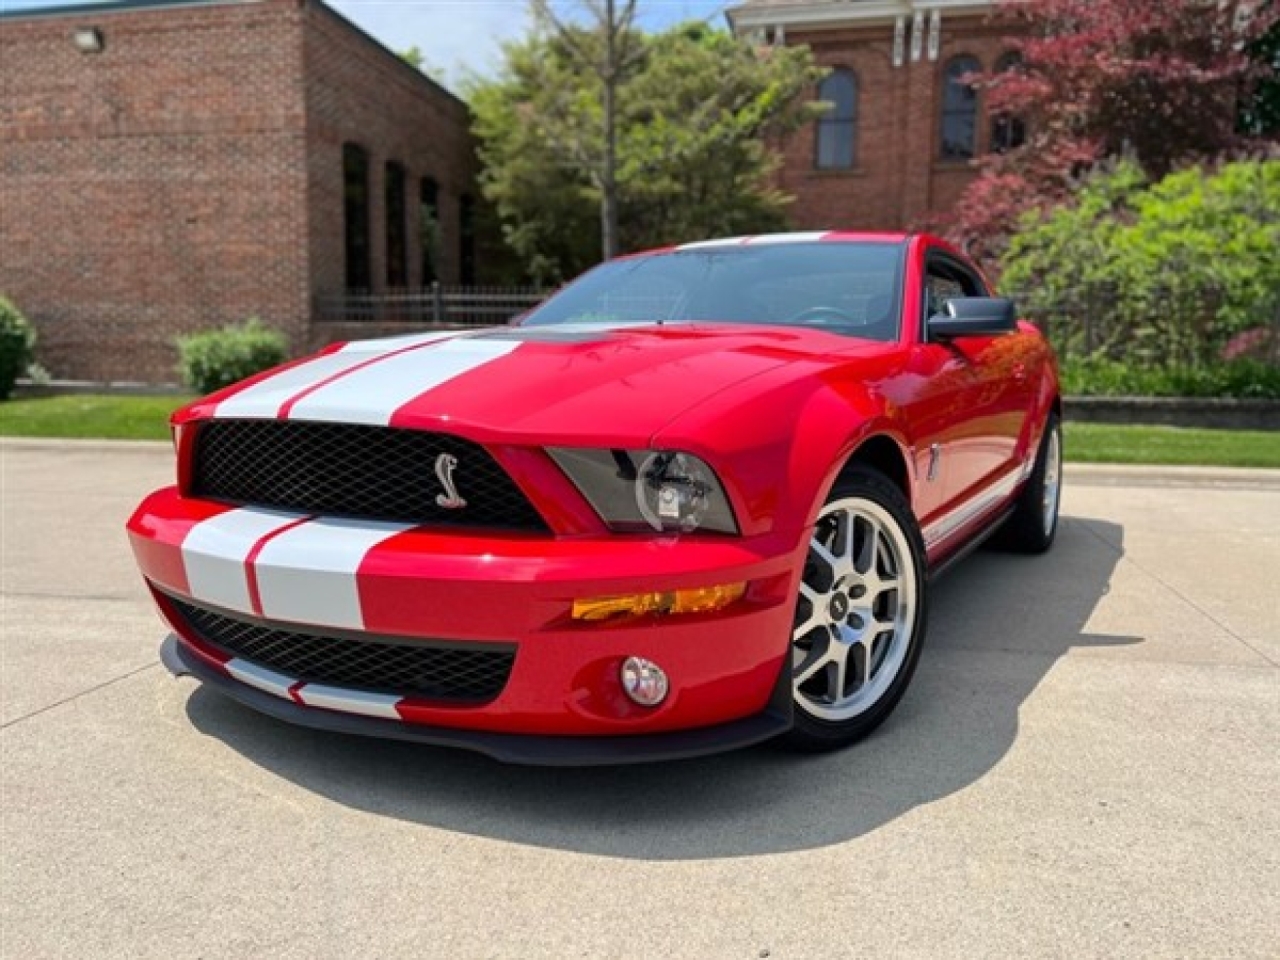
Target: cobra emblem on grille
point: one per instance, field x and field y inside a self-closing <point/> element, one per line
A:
<point x="446" y="463"/>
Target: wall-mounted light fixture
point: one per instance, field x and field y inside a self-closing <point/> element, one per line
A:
<point x="89" y="39"/>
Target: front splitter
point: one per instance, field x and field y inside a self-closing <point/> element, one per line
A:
<point x="532" y="750"/>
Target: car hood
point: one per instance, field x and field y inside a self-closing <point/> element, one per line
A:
<point x="571" y="384"/>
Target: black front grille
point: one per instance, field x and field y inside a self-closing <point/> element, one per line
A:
<point x="424" y="669"/>
<point x="353" y="470"/>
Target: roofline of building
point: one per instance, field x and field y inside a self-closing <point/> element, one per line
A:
<point x="90" y="10"/>
<point x="386" y="51"/>
<point x="72" y="9"/>
<point x="818" y="15"/>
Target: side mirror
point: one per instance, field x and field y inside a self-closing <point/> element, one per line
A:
<point x="974" y="317"/>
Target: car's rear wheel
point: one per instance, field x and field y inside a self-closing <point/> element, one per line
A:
<point x="860" y="615"/>
<point x="1034" y="522"/>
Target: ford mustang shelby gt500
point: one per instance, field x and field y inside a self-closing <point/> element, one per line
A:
<point x="691" y="502"/>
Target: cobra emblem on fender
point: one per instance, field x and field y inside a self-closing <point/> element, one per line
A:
<point x="446" y="463"/>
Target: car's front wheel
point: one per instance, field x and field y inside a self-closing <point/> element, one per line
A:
<point x="860" y="615"/>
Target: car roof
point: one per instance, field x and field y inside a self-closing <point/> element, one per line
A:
<point x="769" y="239"/>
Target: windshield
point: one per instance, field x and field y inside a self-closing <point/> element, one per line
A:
<point x="849" y="288"/>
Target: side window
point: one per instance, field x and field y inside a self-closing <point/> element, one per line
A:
<point x="397" y="227"/>
<point x="945" y="279"/>
<point x="355" y="215"/>
<point x="940" y="286"/>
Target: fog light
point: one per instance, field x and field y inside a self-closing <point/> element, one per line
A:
<point x="644" y="681"/>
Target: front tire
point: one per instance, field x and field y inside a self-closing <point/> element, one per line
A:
<point x="860" y="613"/>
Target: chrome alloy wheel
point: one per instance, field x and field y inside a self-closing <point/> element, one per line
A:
<point x="1052" y="480"/>
<point x="856" y="610"/>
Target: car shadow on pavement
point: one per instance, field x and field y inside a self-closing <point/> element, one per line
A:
<point x="999" y="623"/>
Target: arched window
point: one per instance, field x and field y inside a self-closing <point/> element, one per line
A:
<point x="838" y="128"/>
<point x="1008" y="132"/>
<point x="959" y="109"/>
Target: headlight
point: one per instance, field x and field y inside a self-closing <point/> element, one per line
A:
<point x="636" y="490"/>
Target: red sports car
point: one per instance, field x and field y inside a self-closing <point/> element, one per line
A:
<point x="691" y="502"/>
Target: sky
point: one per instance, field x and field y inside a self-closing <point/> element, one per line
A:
<point x="460" y="36"/>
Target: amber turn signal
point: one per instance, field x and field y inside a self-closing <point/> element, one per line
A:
<point x="696" y="600"/>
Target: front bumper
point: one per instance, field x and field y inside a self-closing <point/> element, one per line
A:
<point x="725" y="668"/>
<point x="546" y="751"/>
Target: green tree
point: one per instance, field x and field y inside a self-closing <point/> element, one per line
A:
<point x="695" y="112"/>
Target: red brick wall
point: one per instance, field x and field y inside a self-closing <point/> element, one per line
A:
<point x="190" y="175"/>
<point x="155" y="188"/>
<point x="358" y="92"/>
<point x="897" y="177"/>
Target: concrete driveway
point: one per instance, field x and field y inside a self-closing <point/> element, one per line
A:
<point x="1088" y="765"/>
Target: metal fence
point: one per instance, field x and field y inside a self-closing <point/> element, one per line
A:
<point x="437" y="305"/>
<point x="1165" y="327"/>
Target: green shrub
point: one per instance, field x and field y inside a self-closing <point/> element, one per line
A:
<point x="215" y="359"/>
<point x="1163" y="274"/>
<point x="17" y="340"/>
<point x="1101" y="377"/>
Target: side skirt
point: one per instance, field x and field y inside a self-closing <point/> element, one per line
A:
<point x="982" y="536"/>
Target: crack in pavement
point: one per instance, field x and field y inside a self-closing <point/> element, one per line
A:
<point x="76" y="696"/>
<point x="38" y="595"/>
<point x="1125" y="558"/>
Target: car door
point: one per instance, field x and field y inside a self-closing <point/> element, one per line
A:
<point x="992" y="389"/>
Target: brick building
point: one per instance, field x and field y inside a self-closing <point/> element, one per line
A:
<point x="904" y="129"/>
<point x="168" y="166"/>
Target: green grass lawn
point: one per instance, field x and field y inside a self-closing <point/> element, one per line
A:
<point x="147" y="418"/>
<point x="1107" y="443"/>
<point x="97" y="417"/>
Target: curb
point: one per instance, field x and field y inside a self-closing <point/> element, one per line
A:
<point x="72" y="443"/>
<point x="1153" y="475"/>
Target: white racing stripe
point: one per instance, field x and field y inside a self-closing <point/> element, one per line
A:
<point x="263" y="400"/>
<point x="391" y="344"/>
<point x="214" y="554"/>
<point x="763" y="239"/>
<point x="373" y="394"/>
<point x="260" y="677"/>
<point x="308" y="574"/>
<point x="712" y="244"/>
<point x="314" y="694"/>
<point x="350" y="701"/>
<point x="812" y="236"/>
